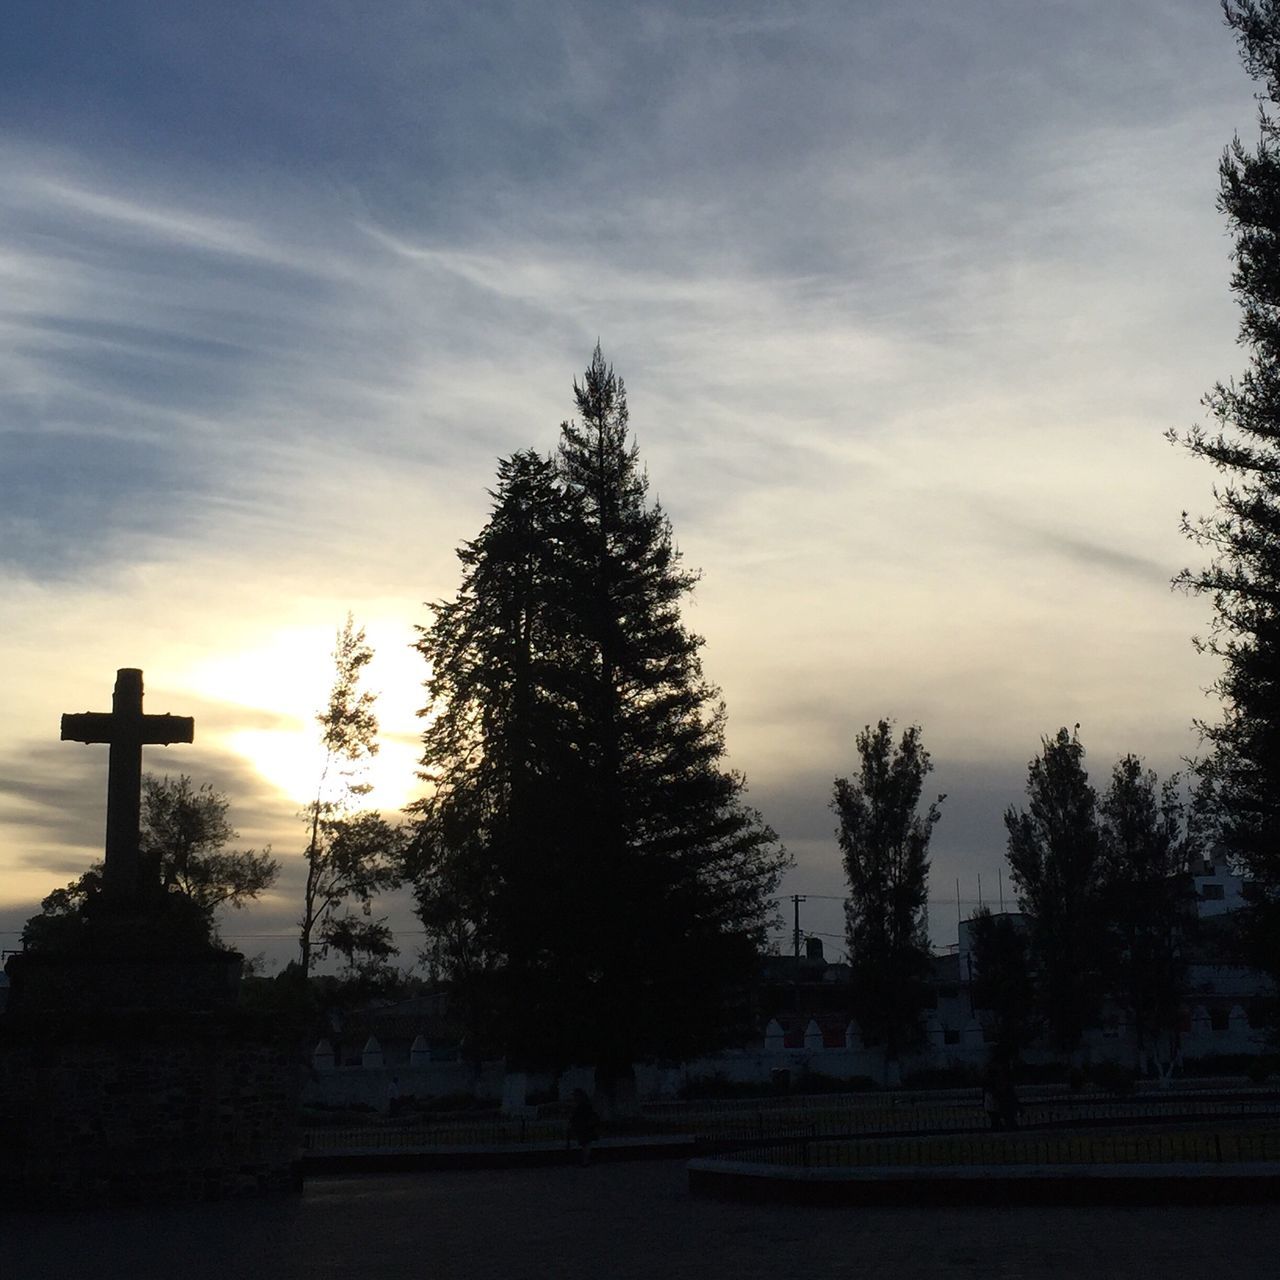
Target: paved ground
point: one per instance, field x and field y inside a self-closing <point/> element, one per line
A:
<point x="623" y="1221"/>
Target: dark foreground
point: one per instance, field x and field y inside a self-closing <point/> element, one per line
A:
<point x="620" y="1220"/>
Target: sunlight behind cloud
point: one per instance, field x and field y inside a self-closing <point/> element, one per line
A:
<point x="289" y="676"/>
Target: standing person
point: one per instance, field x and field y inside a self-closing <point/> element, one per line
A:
<point x="1007" y="1099"/>
<point x="584" y="1124"/>
<point x="990" y="1100"/>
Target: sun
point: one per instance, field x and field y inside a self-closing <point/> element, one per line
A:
<point x="284" y="680"/>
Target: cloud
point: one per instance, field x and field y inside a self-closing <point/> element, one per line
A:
<point x="57" y="790"/>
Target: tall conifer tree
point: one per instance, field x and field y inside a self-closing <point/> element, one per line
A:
<point x="584" y="839"/>
<point x="1243" y="535"/>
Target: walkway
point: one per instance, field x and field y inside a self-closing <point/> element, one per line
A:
<point x="624" y="1221"/>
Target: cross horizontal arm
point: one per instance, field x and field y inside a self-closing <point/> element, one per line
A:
<point x="159" y="731"/>
<point x="89" y="726"/>
<point x="105" y="726"/>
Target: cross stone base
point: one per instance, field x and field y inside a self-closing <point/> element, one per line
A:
<point x="58" y="985"/>
<point x="146" y="1109"/>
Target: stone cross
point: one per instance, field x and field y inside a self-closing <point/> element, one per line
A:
<point x="127" y="730"/>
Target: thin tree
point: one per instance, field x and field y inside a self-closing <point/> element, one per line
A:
<point x="1054" y="856"/>
<point x="351" y="852"/>
<point x="884" y="839"/>
<point x="1242" y="581"/>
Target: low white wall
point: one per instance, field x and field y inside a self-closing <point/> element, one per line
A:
<point x="375" y="1086"/>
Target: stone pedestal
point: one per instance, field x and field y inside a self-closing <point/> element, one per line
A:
<point x="139" y="1081"/>
<point x="113" y="984"/>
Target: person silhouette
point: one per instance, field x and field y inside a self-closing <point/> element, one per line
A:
<point x="584" y="1124"/>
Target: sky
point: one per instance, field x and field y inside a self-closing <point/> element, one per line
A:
<point x="905" y="298"/>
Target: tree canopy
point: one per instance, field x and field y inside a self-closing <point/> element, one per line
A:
<point x="183" y="835"/>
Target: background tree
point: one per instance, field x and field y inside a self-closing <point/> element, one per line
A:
<point x="1243" y="535"/>
<point x="1003" y="984"/>
<point x="366" y="947"/>
<point x="1147" y="899"/>
<point x="352" y="853"/>
<point x="183" y="834"/>
<point x="607" y="873"/>
<point x="885" y="842"/>
<point x="1055" y="859"/>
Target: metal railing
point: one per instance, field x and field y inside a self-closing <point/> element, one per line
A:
<point x="736" y="1125"/>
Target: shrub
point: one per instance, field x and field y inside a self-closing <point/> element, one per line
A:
<point x="1113" y="1078"/>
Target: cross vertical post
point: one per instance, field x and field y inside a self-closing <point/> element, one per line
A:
<point x="124" y="786"/>
<point x="126" y="730"/>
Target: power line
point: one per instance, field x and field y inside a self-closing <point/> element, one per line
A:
<point x="258" y="937"/>
<point x="832" y="897"/>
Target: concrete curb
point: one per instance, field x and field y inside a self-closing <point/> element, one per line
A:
<point x="526" y="1155"/>
<point x="992" y="1185"/>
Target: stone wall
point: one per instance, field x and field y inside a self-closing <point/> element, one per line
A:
<point x="144" y="1109"/>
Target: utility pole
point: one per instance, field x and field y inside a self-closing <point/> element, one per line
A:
<point x="797" y="899"/>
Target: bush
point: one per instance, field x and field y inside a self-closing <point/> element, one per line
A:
<point x="717" y="1086"/>
<point x="1113" y="1078"/>
<point x="1259" y="1070"/>
<point x="817" y="1082"/>
<point x="959" y="1076"/>
<point x="456" y="1102"/>
<point x="1222" y="1064"/>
